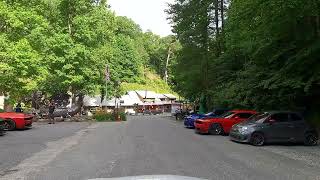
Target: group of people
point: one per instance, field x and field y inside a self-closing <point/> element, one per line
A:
<point x="52" y="107"/>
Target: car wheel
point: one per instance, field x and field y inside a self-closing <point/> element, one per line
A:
<point x="257" y="139"/>
<point x="2" y="132"/>
<point x="216" y="129"/>
<point x="197" y="131"/>
<point x="311" y="139"/>
<point x="9" y="125"/>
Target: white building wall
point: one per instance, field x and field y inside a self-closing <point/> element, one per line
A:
<point x="1" y="102"/>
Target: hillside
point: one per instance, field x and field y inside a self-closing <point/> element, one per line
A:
<point x="151" y="82"/>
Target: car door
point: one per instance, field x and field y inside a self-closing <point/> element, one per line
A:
<point x="281" y="129"/>
<point x="299" y="126"/>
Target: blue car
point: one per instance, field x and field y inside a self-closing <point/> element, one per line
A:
<point x="189" y="120"/>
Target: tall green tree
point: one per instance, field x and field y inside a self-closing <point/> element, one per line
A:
<point x="262" y="56"/>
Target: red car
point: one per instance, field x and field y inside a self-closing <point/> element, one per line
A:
<point x="222" y="124"/>
<point x="16" y="120"/>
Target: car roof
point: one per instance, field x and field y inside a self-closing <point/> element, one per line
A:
<point x="276" y="112"/>
<point x="243" y="111"/>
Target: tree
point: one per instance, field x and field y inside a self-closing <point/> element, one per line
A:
<point x="58" y="46"/>
<point x="264" y="56"/>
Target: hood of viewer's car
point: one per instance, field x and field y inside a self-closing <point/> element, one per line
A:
<point x="152" y="177"/>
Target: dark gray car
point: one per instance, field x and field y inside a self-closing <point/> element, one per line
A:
<point x="271" y="127"/>
<point x="63" y="112"/>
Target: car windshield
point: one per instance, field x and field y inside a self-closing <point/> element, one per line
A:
<point x="258" y="118"/>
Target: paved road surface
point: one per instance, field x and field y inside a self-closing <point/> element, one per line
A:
<point x="158" y="145"/>
<point x="16" y="146"/>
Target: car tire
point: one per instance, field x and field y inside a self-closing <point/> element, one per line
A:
<point x="9" y="125"/>
<point x="310" y="139"/>
<point x="257" y="139"/>
<point x="197" y="132"/>
<point x="216" y="129"/>
<point x="2" y="132"/>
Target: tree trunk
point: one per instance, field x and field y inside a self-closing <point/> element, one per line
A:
<point x="222" y="14"/>
<point x="167" y="64"/>
<point x="216" y="9"/>
<point x="79" y="105"/>
<point x="216" y="17"/>
<point x="70" y="19"/>
<point x="318" y="26"/>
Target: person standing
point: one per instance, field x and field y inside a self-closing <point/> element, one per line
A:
<point x="19" y="108"/>
<point x="52" y="107"/>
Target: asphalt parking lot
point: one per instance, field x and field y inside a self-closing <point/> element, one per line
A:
<point x="151" y="145"/>
<point x="18" y="145"/>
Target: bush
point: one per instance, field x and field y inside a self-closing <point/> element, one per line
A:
<point x="105" y="116"/>
<point x="123" y="116"/>
<point x="1" y="110"/>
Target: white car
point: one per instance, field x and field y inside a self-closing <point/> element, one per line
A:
<point x="130" y="111"/>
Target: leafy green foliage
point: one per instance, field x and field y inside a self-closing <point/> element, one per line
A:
<point x="58" y="46"/>
<point x="264" y="58"/>
<point x="109" y="117"/>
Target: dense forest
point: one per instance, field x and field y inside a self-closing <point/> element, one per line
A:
<point x="60" y="46"/>
<point x="254" y="54"/>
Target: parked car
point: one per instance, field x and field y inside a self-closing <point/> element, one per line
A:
<point x="222" y="125"/>
<point x="130" y="111"/>
<point x="63" y="112"/>
<point x="14" y="120"/>
<point x="181" y="114"/>
<point x="2" y="131"/>
<point x="189" y="120"/>
<point x="146" y="111"/>
<point x="272" y="127"/>
<point x="152" y="111"/>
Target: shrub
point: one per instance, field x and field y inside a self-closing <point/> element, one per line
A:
<point x="102" y="116"/>
<point x="123" y="116"/>
<point x="1" y="110"/>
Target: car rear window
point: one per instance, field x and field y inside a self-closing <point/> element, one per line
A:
<point x="227" y="114"/>
<point x="259" y="118"/>
<point x="244" y="115"/>
<point x="280" y="117"/>
<point x="295" y="117"/>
